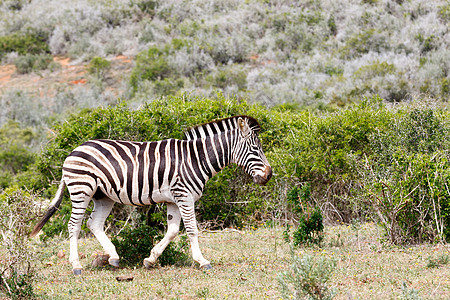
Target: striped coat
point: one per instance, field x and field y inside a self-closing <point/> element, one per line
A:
<point x="141" y="173"/>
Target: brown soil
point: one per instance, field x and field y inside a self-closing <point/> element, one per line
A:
<point x="46" y="83"/>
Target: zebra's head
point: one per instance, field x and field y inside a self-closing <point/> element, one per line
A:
<point x="248" y="152"/>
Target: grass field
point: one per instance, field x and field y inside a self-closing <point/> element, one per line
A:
<point x="246" y="264"/>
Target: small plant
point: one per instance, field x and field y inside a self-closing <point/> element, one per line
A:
<point x="135" y="244"/>
<point x="307" y="278"/>
<point x="310" y="223"/>
<point x="17" y="286"/>
<point x="443" y="259"/>
<point x="310" y="228"/>
<point x="409" y="293"/>
<point x="203" y="293"/>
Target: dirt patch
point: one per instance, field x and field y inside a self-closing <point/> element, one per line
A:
<point x="66" y="75"/>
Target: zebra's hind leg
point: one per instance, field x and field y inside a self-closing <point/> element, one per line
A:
<point x="96" y="223"/>
<point x="173" y="226"/>
<point x="79" y="205"/>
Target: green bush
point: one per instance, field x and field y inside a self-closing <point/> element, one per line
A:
<point x="410" y="164"/>
<point x="24" y="43"/>
<point x="99" y="67"/>
<point x="366" y="161"/>
<point x="150" y="65"/>
<point x="310" y="221"/>
<point x="15" y="156"/>
<point x="18" y="286"/>
<point x="135" y="244"/>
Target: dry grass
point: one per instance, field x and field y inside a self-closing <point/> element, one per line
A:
<point x="246" y="265"/>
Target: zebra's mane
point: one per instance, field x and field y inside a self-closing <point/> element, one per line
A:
<point x="221" y="125"/>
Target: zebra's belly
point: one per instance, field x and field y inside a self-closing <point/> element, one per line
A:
<point x="143" y="198"/>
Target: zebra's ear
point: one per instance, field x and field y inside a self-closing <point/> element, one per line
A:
<point x="243" y="126"/>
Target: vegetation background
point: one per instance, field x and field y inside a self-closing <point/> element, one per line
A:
<point x="352" y="97"/>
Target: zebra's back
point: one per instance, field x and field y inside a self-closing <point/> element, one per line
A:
<point x="135" y="173"/>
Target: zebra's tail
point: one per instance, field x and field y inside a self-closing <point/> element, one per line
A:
<point x="54" y="205"/>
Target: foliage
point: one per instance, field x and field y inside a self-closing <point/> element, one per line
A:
<point x="409" y="293"/>
<point x="367" y="161"/>
<point x="134" y="244"/>
<point x="436" y="262"/>
<point x="18" y="286"/>
<point x="99" y="67"/>
<point x="17" y="270"/>
<point x="269" y="47"/>
<point x="150" y="65"/>
<point x="310" y="224"/>
<point x="307" y="278"/>
<point x="15" y="156"/>
<point x="410" y="165"/>
<point x="33" y="42"/>
<point x="30" y="62"/>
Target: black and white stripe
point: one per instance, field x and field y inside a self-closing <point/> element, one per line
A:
<point x="142" y="173"/>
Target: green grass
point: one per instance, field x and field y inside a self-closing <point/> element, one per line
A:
<point x="246" y="265"/>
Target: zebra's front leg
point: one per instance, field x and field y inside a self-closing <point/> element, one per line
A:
<point x="190" y="223"/>
<point x="173" y="227"/>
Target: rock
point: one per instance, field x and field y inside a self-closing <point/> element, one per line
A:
<point x="100" y="260"/>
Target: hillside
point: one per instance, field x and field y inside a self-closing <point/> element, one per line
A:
<point x="310" y="53"/>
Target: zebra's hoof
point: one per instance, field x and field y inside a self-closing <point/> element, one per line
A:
<point x="77" y="272"/>
<point x="207" y="267"/>
<point x="114" y="262"/>
<point x="148" y="264"/>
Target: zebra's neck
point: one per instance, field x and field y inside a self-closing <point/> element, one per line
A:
<point x="218" y="152"/>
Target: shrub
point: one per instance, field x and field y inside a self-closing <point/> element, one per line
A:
<point x="409" y="167"/>
<point x="307" y="278"/>
<point x="366" y="161"/>
<point x="34" y="43"/>
<point x="99" y="67"/>
<point x="167" y="86"/>
<point x="409" y="293"/>
<point x="29" y="63"/>
<point x="150" y="65"/>
<point x="134" y="244"/>
<point x="361" y="43"/>
<point x="310" y="224"/>
<point x="15" y="156"/>
<point x="436" y="262"/>
<point x="17" y="271"/>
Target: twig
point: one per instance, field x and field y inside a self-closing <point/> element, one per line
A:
<point x="225" y="230"/>
<point x="434" y="291"/>
<point x="126" y="222"/>
<point x="6" y="284"/>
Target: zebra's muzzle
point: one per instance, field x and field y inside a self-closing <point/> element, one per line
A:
<point x="262" y="180"/>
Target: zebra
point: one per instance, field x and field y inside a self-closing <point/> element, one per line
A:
<point x="142" y="173"/>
